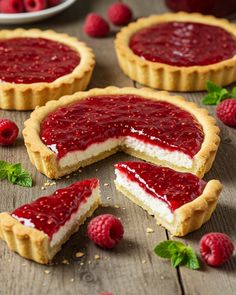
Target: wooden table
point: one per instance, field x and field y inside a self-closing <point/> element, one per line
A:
<point x="132" y="268"/>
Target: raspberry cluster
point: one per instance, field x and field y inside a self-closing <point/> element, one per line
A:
<point x="18" y="6"/>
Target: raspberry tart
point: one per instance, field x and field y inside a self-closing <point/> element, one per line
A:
<point x="37" y="230"/>
<point x="89" y="126"/>
<point x="180" y="201"/>
<point x="178" y="51"/>
<point x="35" y="67"/>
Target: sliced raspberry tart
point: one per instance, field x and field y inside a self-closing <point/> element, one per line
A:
<point x="180" y="201"/>
<point x="37" y="66"/>
<point x="178" y="51"/>
<point x="89" y="126"/>
<point x="37" y="230"/>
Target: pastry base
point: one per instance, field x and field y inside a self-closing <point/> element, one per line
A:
<point x="31" y="243"/>
<point x="190" y="216"/>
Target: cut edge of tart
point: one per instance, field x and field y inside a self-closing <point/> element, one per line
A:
<point x="183" y="220"/>
<point x="169" y="77"/>
<point x="46" y="160"/>
<point x="35" y="244"/>
<point x="16" y="96"/>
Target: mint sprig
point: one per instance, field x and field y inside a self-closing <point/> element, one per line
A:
<point x="216" y="94"/>
<point x="15" y="174"/>
<point x="178" y="253"/>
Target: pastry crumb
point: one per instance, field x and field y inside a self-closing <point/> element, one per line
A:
<point x="79" y="254"/>
<point x="47" y="271"/>
<point x="105" y="205"/>
<point x="149" y="230"/>
<point x="143" y="261"/>
<point x="72" y="280"/>
<point x="96" y="257"/>
<point x="117" y="206"/>
<point x="108" y="198"/>
<point x="80" y="170"/>
<point x="42" y="188"/>
<point x="106" y="184"/>
<point x="68" y="176"/>
<point x="65" y="261"/>
<point x="81" y="263"/>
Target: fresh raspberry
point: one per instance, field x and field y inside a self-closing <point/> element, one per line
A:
<point x="11" y="6"/>
<point x="226" y="111"/>
<point x="35" y="5"/>
<point x="216" y="248"/>
<point x="105" y="230"/>
<point x="119" y="14"/>
<point x="8" y="132"/>
<point x="52" y="3"/>
<point x="96" y="26"/>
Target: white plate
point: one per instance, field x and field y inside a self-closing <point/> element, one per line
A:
<point x="28" y="17"/>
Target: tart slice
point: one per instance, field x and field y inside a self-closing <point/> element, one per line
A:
<point x="89" y="126"/>
<point x="37" y="230"/>
<point x="181" y="202"/>
<point x="178" y="51"/>
<point x="37" y="66"/>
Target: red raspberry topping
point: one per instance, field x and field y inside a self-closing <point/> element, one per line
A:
<point x="8" y="132"/>
<point x="35" y="5"/>
<point x="52" y="3"/>
<point x="11" y="6"/>
<point x="216" y="248"/>
<point x="226" y="111"/>
<point x="96" y="26"/>
<point x="105" y="230"/>
<point x="119" y="14"/>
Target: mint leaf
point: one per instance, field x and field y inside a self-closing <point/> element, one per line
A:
<point x="15" y="174"/>
<point x="216" y="94"/>
<point x="212" y="87"/>
<point x="233" y="92"/>
<point x="178" y="253"/>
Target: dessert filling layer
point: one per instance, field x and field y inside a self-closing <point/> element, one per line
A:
<point x="159" y="184"/>
<point x="34" y="60"/>
<point x="113" y="120"/>
<point x="55" y="214"/>
<point x="184" y="44"/>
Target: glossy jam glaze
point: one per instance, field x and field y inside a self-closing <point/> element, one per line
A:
<point x="172" y="187"/>
<point x="32" y="60"/>
<point x="49" y="213"/>
<point x="215" y="7"/>
<point x="98" y="118"/>
<point x="183" y="44"/>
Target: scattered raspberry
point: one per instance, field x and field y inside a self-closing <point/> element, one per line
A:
<point x="35" y="5"/>
<point x="11" y="6"/>
<point x="52" y="3"/>
<point x="216" y="248"/>
<point x="105" y="230"/>
<point x="8" y="132"/>
<point x="226" y="111"/>
<point x="119" y="14"/>
<point x="96" y="26"/>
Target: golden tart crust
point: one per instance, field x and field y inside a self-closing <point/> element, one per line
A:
<point x="190" y="216"/>
<point x="46" y="161"/>
<point x="168" y="77"/>
<point x="28" y="96"/>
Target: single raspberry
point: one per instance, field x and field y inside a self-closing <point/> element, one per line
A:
<point x="119" y="14"/>
<point x="216" y="248"/>
<point x="52" y="3"/>
<point x="35" y="5"/>
<point x="105" y="230"/>
<point x="11" y="6"/>
<point x="226" y="111"/>
<point x="96" y="26"/>
<point x="8" y="132"/>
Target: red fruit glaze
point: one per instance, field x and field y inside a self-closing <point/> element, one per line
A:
<point x="35" y="5"/>
<point x="96" y="119"/>
<point x="183" y="44"/>
<point x="49" y="213"/>
<point x="105" y="230"/>
<point x="32" y="60"/>
<point x="8" y="132"/>
<point x="172" y="187"/>
<point x="11" y="6"/>
<point x="226" y="111"/>
<point x="53" y="2"/>
<point x="216" y="248"/>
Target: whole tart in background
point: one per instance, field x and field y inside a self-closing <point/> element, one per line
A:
<point x="178" y="51"/>
<point x="38" y="66"/>
<point x="83" y="128"/>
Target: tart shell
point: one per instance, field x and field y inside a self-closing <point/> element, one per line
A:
<point x="167" y="77"/>
<point x="31" y="243"/>
<point x="190" y="216"/>
<point x="28" y="96"/>
<point x="46" y="161"/>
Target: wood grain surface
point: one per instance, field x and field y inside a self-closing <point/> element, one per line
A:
<point x="132" y="268"/>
